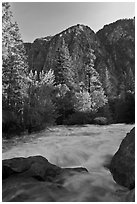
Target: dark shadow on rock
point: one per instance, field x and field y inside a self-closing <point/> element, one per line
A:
<point x="107" y="161"/>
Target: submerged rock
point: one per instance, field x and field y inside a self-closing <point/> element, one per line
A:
<point x="101" y="121"/>
<point x="122" y="165"/>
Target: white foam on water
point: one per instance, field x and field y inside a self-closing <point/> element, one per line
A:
<point x="87" y="146"/>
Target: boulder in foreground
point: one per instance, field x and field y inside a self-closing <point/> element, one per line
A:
<point x="122" y="164"/>
<point x="36" y="167"/>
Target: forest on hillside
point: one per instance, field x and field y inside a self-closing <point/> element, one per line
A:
<point x="61" y="94"/>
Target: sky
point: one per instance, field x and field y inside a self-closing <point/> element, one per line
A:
<point x="40" y="19"/>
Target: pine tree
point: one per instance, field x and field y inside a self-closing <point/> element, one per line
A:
<point x="64" y="72"/>
<point x="65" y="81"/>
<point x="107" y="82"/>
<point x="89" y="64"/>
<point x="14" y="63"/>
<point x="94" y="86"/>
<point x="130" y="81"/>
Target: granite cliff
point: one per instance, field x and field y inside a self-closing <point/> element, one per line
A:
<point x="113" y="45"/>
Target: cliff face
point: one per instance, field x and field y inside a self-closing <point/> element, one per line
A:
<point x="119" y="40"/>
<point x="113" y="47"/>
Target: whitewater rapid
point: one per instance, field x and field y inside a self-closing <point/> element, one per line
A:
<point x="89" y="146"/>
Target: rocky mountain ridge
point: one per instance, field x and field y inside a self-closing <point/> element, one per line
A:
<point x="114" y="48"/>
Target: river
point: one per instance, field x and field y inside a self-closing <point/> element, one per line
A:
<point x="89" y="146"/>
